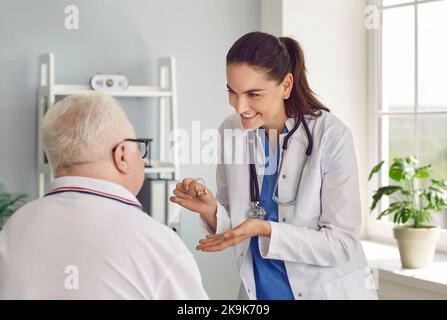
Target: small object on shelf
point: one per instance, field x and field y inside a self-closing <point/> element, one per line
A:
<point x="109" y="82"/>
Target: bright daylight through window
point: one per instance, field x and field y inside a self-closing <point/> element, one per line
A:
<point x="411" y="109"/>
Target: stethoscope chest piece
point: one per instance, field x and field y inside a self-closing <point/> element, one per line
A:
<point x="256" y="212"/>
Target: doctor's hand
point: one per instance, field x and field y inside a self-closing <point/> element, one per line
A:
<point x="247" y="229"/>
<point x="194" y="196"/>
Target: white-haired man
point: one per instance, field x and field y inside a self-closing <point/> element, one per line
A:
<point x="89" y="237"/>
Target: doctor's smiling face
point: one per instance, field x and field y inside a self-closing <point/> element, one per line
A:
<point x="257" y="99"/>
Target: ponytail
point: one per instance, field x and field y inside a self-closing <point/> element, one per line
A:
<point x="302" y="100"/>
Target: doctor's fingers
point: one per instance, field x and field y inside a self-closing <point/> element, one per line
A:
<point x="212" y="237"/>
<point x="181" y="194"/>
<point x="182" y="187"/>
<point x="183" y="201"/>
<point x="206" y="196"/>
<point x="196" y="188"/>
<point x="222" y="245"/>
<point x="193" y="187"/>
<point x="235" y="232"/>
<point x="207" y="242"/>
<point x="213" y="240"/>
<point x="185" y="184"/>
<point x="193" y="204"/>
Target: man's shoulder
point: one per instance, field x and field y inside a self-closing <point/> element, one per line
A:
<point x="113" y="220"/>
<point x="29" y="207"/>
<point x="147" y="231"/>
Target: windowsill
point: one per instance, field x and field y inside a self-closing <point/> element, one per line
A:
<point x="431" y="281"/>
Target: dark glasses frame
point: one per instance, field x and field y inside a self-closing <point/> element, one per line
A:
<point x="147" y="144"/>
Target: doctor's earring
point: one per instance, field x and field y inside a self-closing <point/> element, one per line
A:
<point x="286" y="97"/>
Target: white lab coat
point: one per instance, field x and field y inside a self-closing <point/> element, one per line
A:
<point x="318" y="238"/>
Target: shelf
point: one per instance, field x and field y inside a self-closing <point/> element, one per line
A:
<point x="132" y="91"/>
<point x="385" y="260"/>
<point x="157" y="167"/>
<point x="164" y="89"/>
<point x="160" y="167"/>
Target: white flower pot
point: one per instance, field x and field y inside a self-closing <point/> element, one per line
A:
<point x="416" y="246"/>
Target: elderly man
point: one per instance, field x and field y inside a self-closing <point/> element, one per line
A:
<point x="89" y="237"/>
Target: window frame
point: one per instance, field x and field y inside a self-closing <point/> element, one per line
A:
<point x="381" y="230"/>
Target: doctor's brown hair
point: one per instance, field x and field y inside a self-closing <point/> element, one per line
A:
<point x="278" y="57"/>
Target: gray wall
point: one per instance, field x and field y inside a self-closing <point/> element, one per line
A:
<point x="127" y="37"/>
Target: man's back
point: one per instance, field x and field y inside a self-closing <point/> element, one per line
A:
<point x="90" y="240"/>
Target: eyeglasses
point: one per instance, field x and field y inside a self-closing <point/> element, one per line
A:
<point x="143" y="146"/>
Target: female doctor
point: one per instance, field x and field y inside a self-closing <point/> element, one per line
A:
<point x="294" y="217"/>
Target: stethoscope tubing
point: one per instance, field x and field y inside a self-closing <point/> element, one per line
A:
<point x="254" y="185"/>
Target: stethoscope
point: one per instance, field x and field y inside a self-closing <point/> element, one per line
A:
<point x="257" y="211"/>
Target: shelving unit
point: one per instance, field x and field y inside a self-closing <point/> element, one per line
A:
<point x="165" y="92"/>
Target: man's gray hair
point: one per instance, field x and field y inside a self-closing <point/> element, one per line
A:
<point x="82" y="129"/>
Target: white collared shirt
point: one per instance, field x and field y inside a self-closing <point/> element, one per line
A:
<point x="78" y="245"/>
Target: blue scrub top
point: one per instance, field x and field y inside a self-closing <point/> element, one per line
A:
<point x="272" y="282"/>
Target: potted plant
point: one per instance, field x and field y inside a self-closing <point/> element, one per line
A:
<point x="414" y="197"/>
<point x="9" y="203"/>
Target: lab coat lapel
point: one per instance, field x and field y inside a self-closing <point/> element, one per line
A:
<point x="260" y="159"/>
<point x="293" y="162"/>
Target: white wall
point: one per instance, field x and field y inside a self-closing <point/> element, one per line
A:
<point x="272" y="16"/>
<point x="334" y="41"/>
<point x="128" y="37"/>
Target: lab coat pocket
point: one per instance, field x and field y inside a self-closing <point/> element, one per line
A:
<point x="308" y="204"/>
<point x="357" y="285"/>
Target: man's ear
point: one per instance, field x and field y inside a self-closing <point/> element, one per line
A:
<point x="121" y="158"/>
<point x="287" y="84"/>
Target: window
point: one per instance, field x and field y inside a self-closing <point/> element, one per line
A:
<point x="408" y="70"/>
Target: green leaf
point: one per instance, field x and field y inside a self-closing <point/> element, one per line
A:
<point x="402" y="211"/>
<point x="440" y="183"/>
<point x="9" y="203"/>
<point x="421" y="217"/>
<point x="402" y="169"/>
<point x="387" y="190"/>
<point x="422" y="172"/>
<point x="417" y="205"/>
<point x="405" y="215"/>
<point x="436" y="198"/>
<point x="396" y="219"/>
<point x="376" y="169"/>
<point x="405" y="192"/>
<point x="412" y="160"/>
<point x="386" y="212"/>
